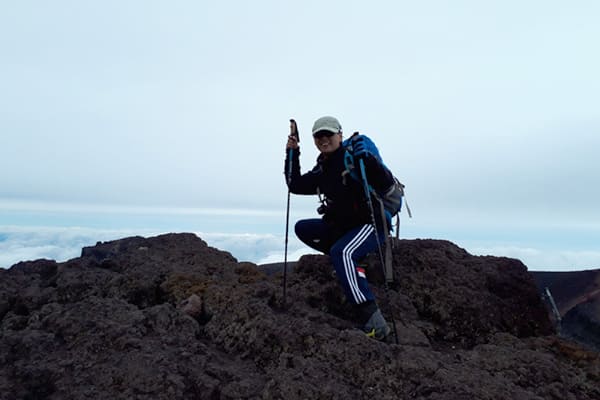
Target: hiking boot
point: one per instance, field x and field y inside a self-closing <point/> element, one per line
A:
<point x="376" y="327"/>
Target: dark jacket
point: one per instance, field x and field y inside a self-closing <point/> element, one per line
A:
<point x="346" y="206"/>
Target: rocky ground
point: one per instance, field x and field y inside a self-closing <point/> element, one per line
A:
<point x="172" y="318"/>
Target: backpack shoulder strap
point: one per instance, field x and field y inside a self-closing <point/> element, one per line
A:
<point x="349" y="165"/>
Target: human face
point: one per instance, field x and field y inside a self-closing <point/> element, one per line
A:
<point x="327" y="142"/>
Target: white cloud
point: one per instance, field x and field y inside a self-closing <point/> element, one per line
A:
<point x="257" y="248"/>
<point x="55" y="243"/>
<point x="63" y="243"/>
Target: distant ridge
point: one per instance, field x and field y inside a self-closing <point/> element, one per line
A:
<point x="272" y="268"/>
<point x="569" y="288"/>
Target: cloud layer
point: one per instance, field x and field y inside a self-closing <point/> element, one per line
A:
<point x="61" y="244"/>
<point x="56" y="243"/>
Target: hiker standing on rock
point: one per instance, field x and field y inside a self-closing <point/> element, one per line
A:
<point x="345" y="231"/>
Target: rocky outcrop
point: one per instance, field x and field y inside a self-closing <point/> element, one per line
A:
<point x="172" y="318"/>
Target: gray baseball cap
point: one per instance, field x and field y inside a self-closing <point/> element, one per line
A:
<point x="327" y="123"/>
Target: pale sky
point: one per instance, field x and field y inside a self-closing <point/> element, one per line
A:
<point x="121" y="117"/>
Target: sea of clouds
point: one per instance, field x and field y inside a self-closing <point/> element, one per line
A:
<point x="64" y="243"/>
<point x="19" y="243"/>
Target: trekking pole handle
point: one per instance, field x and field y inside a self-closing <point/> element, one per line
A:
<point x="293" y="133"/>
<point x="294" y="130"/>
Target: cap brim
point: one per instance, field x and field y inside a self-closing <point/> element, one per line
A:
<point x="328" y="129"/>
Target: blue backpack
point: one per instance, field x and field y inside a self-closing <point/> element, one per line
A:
<point x="391" y="197"/>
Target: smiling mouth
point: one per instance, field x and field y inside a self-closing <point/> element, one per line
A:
<point x="325" y="145"/>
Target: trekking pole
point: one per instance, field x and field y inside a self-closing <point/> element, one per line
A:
<point x="293" y="132"/>
<point x="363" y="174"/>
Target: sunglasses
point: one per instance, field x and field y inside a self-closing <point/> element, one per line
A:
<point x="321" y="134"/>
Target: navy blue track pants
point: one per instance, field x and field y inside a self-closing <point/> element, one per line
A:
<point x="345" y="251"/>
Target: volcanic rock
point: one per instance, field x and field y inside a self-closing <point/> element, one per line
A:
<point x="169" y="317"/>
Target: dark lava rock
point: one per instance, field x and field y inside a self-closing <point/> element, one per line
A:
<point x="169" y="317"/>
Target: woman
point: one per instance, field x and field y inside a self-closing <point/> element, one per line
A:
<point x="345" y="231"/>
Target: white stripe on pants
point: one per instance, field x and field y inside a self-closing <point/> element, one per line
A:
<point x="349" y="268"/>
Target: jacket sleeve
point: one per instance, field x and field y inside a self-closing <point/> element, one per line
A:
<point x="297" y="183"/>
